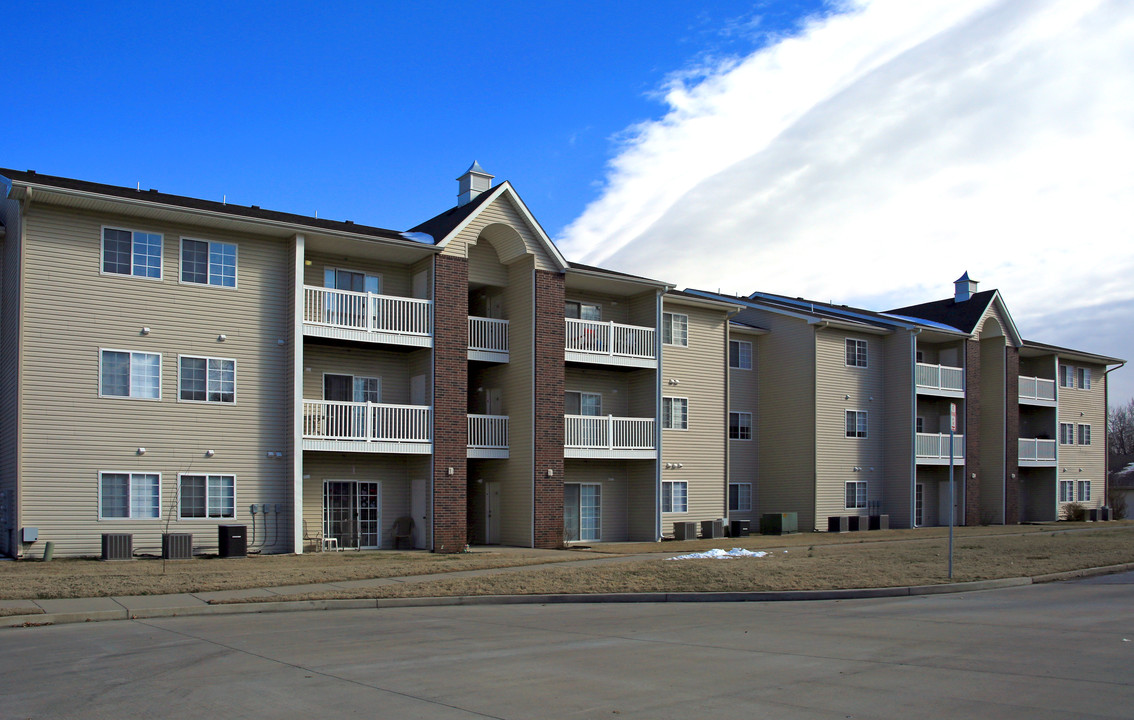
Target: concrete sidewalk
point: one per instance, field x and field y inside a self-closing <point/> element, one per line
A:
<point x="275" y="599"/>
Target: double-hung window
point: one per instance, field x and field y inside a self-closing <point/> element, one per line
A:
<point x="739" y="497"/>
<point x="208" y="496"/>
<point x="739" y="426"/>
<point x="1084" y="375"/>
<point x="207" y="262"/>
<point x="855" y="494"/>
<point x="131" y="252"/>
<point x="1084" y="434"/>
<point x="856" y="423"/>
<point x="1066" y="491"/>
<point x="129" y="374"/>
<point x="1066" y="433"/>
<point x="1084" y="490"/>
<point x="1066" y="376"/>
<point x="856" y="353"/>
<point x="675" y="413"/>
<point x="675" y="496"/>
<point x="205" y="379"/>
<point x="740" y="354"/>
<point x="123" y="495"/>
<point x="675" y="329"/>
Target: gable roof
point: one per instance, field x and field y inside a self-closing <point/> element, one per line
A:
<point x="966" y="315"/>
<point x="441" y="226"/>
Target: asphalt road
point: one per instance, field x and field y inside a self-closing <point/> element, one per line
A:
<point x="1063" y="650"/>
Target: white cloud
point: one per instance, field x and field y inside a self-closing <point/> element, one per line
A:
<point x="887" y="148"/>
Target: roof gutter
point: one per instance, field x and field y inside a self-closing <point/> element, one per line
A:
<point x="853" y="327"/>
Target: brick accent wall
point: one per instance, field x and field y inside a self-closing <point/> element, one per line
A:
<point x="1012" y="436"/>
<point x="550" y="338"/>
<point x="450" y="403"/>
<point x="972" y="432"/>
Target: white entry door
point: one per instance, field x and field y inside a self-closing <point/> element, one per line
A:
<point x="419" y="506"/>
<point x="492" y="513"/>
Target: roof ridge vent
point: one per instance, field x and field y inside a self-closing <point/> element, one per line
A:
<point x="964" y="288"/>
<point x="472" y="183"/>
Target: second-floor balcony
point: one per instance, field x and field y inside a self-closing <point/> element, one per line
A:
<point x="933" y="449"/>
<point x="488" y="436"/>
<point x="610" y="343"/>
<point x="1037" y="391"/>
<point x="367" y="317"/>
<point x="1037" y="452"/>
<point x="606" y="436"/>
<point x="940" y="380"/>
<point x="367" y="427"/>
<point x="488" y="339"/>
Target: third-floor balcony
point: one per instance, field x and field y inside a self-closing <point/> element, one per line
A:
<point x="942" y="380"/>
<point x="606" y="436"/>
<point x="1037" y="391"/>
<point x="488" y="339"/>
<point x="367" y="317"/>
<point x="1037" y="452"/>
<point x="610" y="343"/>
<point x="933" y="449"/>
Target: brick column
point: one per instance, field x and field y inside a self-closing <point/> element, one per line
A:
<point x="1012" y="436"/>
<point x="548" y="367"/>
<point x="972" y="432"/>
<point x="450" y="402"/>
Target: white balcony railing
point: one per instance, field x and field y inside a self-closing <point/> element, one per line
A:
<point x="936" y="446"/>
<point x="367" y="312"/>
<point x="610" y="338"/>
<point x="608" y="432"/>
<point x="488" y="334"/>
<point x="1037" y="449"/>
<point x="365" y="422"/>
<point x="489" y="432"/>
<point x="940" y="377"/>
<point x="1036" y="388"/>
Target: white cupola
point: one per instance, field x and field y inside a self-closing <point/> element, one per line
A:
<point x="964" y="288"/>
<point x="472" y="183"/>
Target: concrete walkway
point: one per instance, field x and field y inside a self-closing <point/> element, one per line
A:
<point x="275" y="599"/>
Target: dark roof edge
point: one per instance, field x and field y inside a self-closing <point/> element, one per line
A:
<point x="1102" y="359"/>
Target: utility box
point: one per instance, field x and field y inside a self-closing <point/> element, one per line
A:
<point x="1093" y="515"/>
<point x="1104" y="513"/>
<point x="838" y="524"/>
<point x="859" y="523"/>
<point x="232" y="540"/>
<point x="779" y="523"/>
<point x="739" y="528"/>
<point x="685" y="530"/>
<point x="177" y="546"/>
<point x="712" y="528"/>
<point x="29" y="534"/>
<point x="117" y="546"/>
<point x="879" y="522"/>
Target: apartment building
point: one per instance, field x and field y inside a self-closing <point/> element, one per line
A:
<point x="855" y="410"/>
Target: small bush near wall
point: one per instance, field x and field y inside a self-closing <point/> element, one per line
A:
<point x="1074" y="512"/>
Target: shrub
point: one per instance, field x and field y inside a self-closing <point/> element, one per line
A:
<point x="1074" y="512"/>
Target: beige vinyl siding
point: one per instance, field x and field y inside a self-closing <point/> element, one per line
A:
<point x="837" y="454"/>
<point x="615" y="308"/>
<point x="397" y="279"/>
<point x="71" y="311"/>
<point x="9" y="372"/>
<point x="484" y="265"/>
<point x="700" y="370"/>
<point x="395" y="472"/>
<point x="614" y="387"/>
<point x="743" y="458"/>
<point x="642" y="309"/>
<point x="614" y="476"/>
<point x="394" y="368"/>
<point x="898" y="430"/>
<point x="511" y="242"/>
<point x="1091" y="458"/>
<point x="517" y="472"/>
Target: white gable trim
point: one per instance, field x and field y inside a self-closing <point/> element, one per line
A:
<point x="505" y="188"/>
<point x="1012" y="331"/>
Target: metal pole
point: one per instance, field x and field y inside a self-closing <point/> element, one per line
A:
<point x="952" y="502"/>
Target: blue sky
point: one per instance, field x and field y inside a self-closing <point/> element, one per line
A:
<point x="862" y="151"/>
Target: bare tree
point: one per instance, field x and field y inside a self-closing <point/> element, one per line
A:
<point x="1120" y="433"/>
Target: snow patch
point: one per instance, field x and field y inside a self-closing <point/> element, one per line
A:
<point x="718" y="554"/>
<point x="420" y="237"/>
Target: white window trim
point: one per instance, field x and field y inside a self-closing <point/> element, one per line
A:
<point x="580" y="303"/>
<point x="360" y="271"/>
<point x="740" y="359"/>
<point x="1064" y="381"/>
<point x="1079" y="434"/>
<point x="671" y="483"/>
<point x="323" y="386"/>
<point x="866" y="353"/>
<point x="581" y="394"/>
<point x="102" y="253"/>
<point x="181" y="262"/>
<point x="205" y="474"/>
<point x="1082" y="373"/>
<point x="1079" y="485"/>
<point x="856" y="436"/>
<point x="1071" y="485"/>
<point x="599" y="525"/>
<point x="670" y="316"/>
<point x="1070" y="437"/>
<point x="206" y="358"/>
<point x="686" y="426"/>
<point x="129" y="504"/>
<point x="750" y="433"/>
<point x="865" y="494"/>
<point x="101" y="350"/>
<point x="739" y="504"/>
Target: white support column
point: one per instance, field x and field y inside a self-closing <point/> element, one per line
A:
<point x="297" y="397"/>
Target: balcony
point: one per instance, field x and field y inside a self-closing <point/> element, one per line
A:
<point x="367" y="427"/>
<point x="1036" y="452"/>
<point x="587" y="436"/>
<point x="488" y="436"/>
<point x="1037" y="391"/>
<point x="933" y="449"/>
<point x="610" y="343"/>
<point x="941" y="380"/>
<point x="488" y="339"/>
<point x="367" y="317"/>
